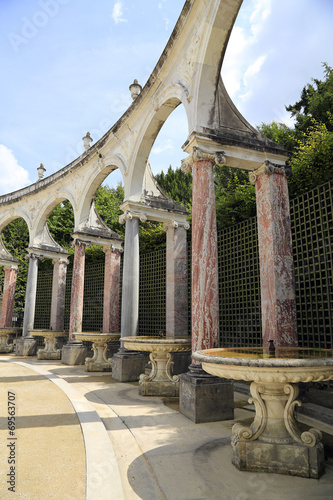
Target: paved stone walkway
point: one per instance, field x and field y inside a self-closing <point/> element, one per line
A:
<point x="84" y="435"/>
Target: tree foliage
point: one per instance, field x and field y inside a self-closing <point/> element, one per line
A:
<point x="316" y="102"/>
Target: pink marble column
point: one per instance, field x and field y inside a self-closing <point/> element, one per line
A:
<point x="58" y="294"/>
<point x="76" y="313"/>
<point x="8" y="296"/>
<point x="176" y="281"/>
<point x="278" y="305"/>
<point x="111" y="303"/>
<point x="205" y="283"/>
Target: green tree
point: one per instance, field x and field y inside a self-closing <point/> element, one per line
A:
<point x="312" y="162"/>
<point x="281" y="133"/>
<point x="316" y="102"/>
<point x="178" y="185"/>
<point x="61" y="224"/>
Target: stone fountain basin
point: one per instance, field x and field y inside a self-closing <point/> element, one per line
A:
<point x="47" y="333"/>
<point x="156" y="344"/>
<point x="97" y="337"/>
<point x="288" y="365"/>
<point x="10" y="330"/>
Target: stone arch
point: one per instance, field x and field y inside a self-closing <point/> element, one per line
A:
<point x="162" y="108"/>
<point x="15" y="214"/>
<point x="48" y="207"/>
<point x="104" y="167"/>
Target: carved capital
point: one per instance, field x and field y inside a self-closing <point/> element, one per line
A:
<point x="130" y="215"/>
<point x="79" y="242"/>
<point x="60" y="260"/>
<point x="218" y="158"/>
<point x="173" y="224"/>
<point x="269" y="168"/>
<point x="34" y="256"/>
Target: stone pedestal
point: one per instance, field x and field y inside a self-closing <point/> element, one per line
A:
<point x="160" y="382"/>
<point x="181" y="362"/>
<point x="99" y="362"/>
<point x="205" y="398"/>
<point x="128" y="366"/>
<point x="74" y="353"/>
<point x="50" y="350"/>
<point x="274" y="442"/>
<point x="5" y="347"/>
<point x="26" y="346"/>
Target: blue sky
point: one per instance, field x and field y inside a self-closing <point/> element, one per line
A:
<point x="67" y="66"/>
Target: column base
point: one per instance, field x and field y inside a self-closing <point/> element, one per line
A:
<point x="74" y="353"/>
<point x="26" y="346"/>
<point x="42" y="354"/>
<point x="97" y="366"/>
<point x="205" y="398"/>
<point x="292" y="459"/>
<point x="127" y="366"/>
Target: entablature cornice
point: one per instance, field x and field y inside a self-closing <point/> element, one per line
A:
<point x="145" y="212"/>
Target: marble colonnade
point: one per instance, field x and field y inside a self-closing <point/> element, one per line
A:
<point x="8" y="294"/>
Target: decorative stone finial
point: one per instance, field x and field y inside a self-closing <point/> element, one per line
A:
<point x="135" y="89"/>
<point x="87" y="140"/>
<point x="41" y="171"/>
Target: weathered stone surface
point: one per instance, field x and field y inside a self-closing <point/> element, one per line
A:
<point x="76" y="314"/>
<point x="74" y="354"/>
<point x="111" y="291"/>
<point x="181" y="362"/>
<point x="30" y="295"/>
<point x="292" y="459"/>
<point x="176" y="282"/>
<point x="130" y="291"/>
<point x="205" y="398"/>
<point x="278" y="304"/>
<point x="26" y="346"/>
<point x="8" y="296"/>
<point x="205" y="286"/>
<point x="42" y="354"/>
<point x="128" y="366"/>
<point x="165" y="388"/>
<point x="58" y="293"/>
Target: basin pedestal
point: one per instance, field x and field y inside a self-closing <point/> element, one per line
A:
<point x="50" y="350"/>
<point x="99" y="362"/>
<point x="160" y="381"/>
<point x="5" y="347"/>
<point x="274" y="441"/>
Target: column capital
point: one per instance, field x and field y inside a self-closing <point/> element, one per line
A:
<point x="113" y="248"/>
<point x="61" y="260"/>
<point x="33" y="255"/>
<point x="217" y="158"/>
<point x="132" y="215"/>
<point x="173" y="224"/>
<point x="11" y="267"/>
<point x="269" y="168"/>
<point x="79" y="241"/>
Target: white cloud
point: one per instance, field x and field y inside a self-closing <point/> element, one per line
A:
<point x="117" y="13"/>
<point x="253" y="69"/>
<point x="12" y="175"/>
<point x="163" y="146"/>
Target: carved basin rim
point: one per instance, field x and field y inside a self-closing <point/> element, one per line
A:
<point x="276" y="370"/>
<point x="97" y="336"/>
<point x="146" y="343"/>
<point x="47" y="333"/>
<point x="208" y="356"/>
<point x="10" y="329"/>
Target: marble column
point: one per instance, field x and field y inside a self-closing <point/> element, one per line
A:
<point x="176" y="280"/>
<point x="205" y="280"/>
<point x="111" y="302"/>
<point x="127" y="366"/>
<point x="278" y="305"/>
<point x="26" y="346"/>
<point x="8" y="296"/>
<point x="130" y="291"/>
<point x="74" y="352"/>
<point x="58" y="293"/>
<point x="76" y="312"/>
<point x="204" y="398"/>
